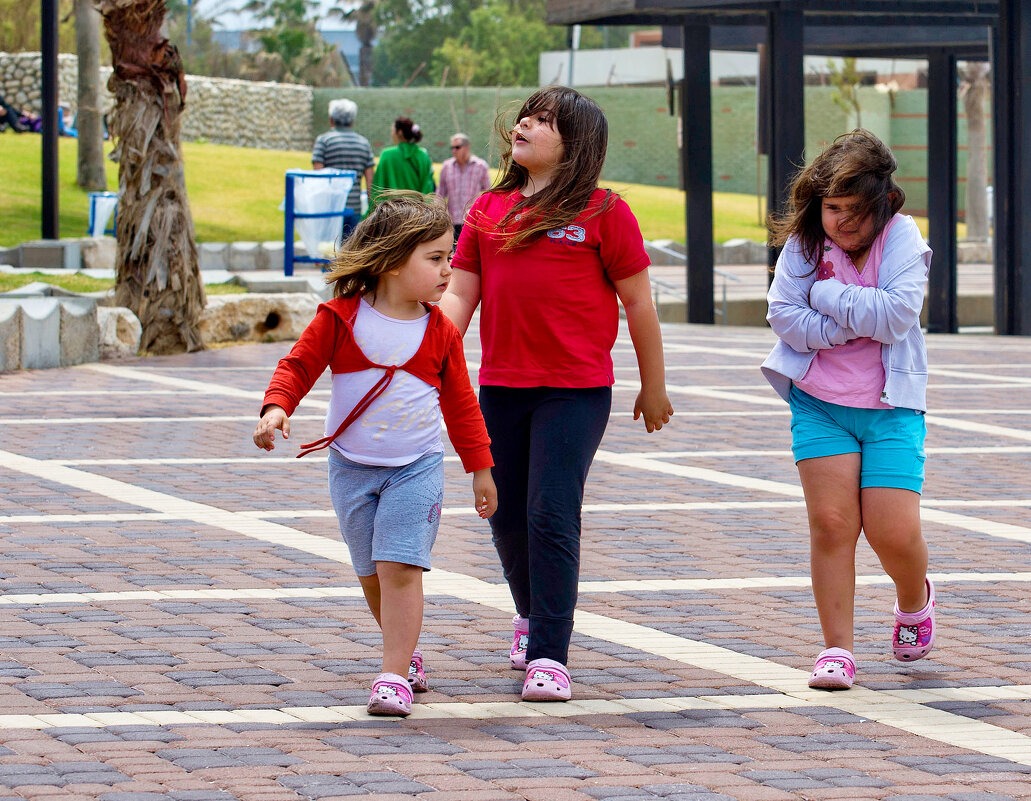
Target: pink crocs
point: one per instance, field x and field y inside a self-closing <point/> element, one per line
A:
<point x="546" y="680"/>
<point x="416" y="675"/>
<point x="391" y="695"/>
<point x="835" y="669"/>
<point x="520" y="641"/>
<point x="913" y="637"/>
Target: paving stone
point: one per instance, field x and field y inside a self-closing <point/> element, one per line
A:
<point x="523" y="734"/>
<point x="694" y="718"/>
<point x="837" y="741"/>
<point x="675" y="754"/>
<point x="391" y="744"/>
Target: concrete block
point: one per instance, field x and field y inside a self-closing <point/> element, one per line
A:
<point x="10" y="256"/>
<point x="51" y="253"/>
<point x="257" y="317"/>
<point x="739" y="251"/>
<point x="40" y="333"/>
<point x="213" y="255"/>
<point x="99" y="253"/>
<point x="10" y="335"/>
<point x="273" y="283"/>
<point x="80" y="334"/>
<point x="974" y="251"/>
<point x="244" y="256"/>
<point x="120" y="332"/>
<point x="272" y="255"/>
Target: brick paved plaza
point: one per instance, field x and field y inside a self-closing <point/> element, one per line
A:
<point x="179" y="620"/>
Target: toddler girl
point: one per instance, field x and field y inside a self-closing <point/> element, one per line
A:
<point x="397" y="366"/>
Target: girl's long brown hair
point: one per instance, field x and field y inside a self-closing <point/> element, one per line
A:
<point x="856" y="163"/>
<point x="385" y="239"/>
<point x="585" y="136"/>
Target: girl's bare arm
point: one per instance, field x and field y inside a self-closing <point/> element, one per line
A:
<point x="461" y="299"/>
<point x="652" y="402"/>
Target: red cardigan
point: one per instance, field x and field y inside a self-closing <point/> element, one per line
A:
<point x="329" y="341"/>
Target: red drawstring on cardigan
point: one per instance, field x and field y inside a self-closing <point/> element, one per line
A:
<point x="359" y="409"/>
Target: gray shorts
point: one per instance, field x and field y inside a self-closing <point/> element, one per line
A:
<point x="387" y="514"/>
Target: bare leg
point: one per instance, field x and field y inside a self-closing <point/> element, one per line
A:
<point x="831" y="487"/>
<point x="400" y="613"/>
<point x="891" y="520"/>
<point x="370" y="586"/>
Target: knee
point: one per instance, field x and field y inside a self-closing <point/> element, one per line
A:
<point x="830" y="529"/>
<point x="398" y="574"/>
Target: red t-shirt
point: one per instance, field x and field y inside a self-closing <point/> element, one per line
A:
<point x="548" y="311"/>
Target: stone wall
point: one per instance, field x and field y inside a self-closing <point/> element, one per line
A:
<point x="248" y="113"/>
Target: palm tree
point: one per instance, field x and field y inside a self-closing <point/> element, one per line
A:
<point x="91" y="173"/>
<point x="156" y="270"/>
<point x="363" y="12"/>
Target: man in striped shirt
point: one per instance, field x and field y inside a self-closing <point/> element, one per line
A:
<point x="463" y="178"/>
<point x="343" y="149"/>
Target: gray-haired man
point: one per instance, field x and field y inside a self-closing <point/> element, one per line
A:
<point x="343" y="149"/>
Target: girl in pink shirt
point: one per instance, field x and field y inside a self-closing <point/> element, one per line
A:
<point x="851" y="362"/>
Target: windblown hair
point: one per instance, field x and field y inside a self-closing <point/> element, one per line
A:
<point x="385" y="239"/>
<point x="585" y="136"/>
<point x="856" y="163"/>
<point x="409" y="131"/>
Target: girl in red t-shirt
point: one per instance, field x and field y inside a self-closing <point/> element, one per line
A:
<point x="545" y="255"/>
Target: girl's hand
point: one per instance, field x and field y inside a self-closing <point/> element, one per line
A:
<point x="264" y="434"/>
<point x="655" y="406"/>
<point x="485" y="494"/>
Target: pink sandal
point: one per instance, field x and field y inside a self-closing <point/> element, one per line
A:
<point x="835" y="669"/>
<point x="546" y="680"/>
<point x="391" y="695"/>
<point x="520" y="642"/>
<point x="913" y="637"/>
<point x="416" y="674"/>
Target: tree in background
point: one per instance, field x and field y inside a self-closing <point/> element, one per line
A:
<point x="156" y="269"/>
<point x="502" y="38"/>
<point x="846" y="79"/>
<point x="90" y="174"/>
<point x="364" y="13"/>
<point x="975" y="82"/>
<point x="293" y="42"/>
<point x="19" y="26"/>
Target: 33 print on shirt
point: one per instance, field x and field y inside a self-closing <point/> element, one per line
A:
<point x="571" y="234"/>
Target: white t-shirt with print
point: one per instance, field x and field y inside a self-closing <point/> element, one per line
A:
<point x="402" y="424"/>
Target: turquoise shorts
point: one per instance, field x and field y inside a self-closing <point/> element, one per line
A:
<point x="890" y="441"/>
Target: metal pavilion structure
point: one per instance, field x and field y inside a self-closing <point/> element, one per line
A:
<point x="941" y="31"/>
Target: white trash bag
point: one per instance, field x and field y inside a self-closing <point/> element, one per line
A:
<point x="317" y="193"/>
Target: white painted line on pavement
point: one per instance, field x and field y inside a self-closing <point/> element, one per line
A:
<point x="604" y="586"/>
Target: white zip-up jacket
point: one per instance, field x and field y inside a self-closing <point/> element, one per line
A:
<point x="810" y="315"/>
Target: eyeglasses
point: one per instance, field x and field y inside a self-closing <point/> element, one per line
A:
<point x="457" y="147"/>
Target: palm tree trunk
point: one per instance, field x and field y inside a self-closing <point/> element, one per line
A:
<point x="91" y="173"/>
<point x="157" y="274"/>
<point x="977" y="83"/>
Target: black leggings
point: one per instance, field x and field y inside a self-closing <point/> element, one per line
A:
<point x="543" y="440"/>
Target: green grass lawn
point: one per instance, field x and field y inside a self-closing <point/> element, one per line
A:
<point x="235" y="194"/>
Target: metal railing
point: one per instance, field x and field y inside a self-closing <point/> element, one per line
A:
<point x="665" y="288"/>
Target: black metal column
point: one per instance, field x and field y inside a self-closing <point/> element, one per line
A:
<point x="942" y="316"/>
<point x="48" y="42"/>
<point x="785" y="41"/>
<point x="696" y="126"/>
<point x="1011" y="108"/>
